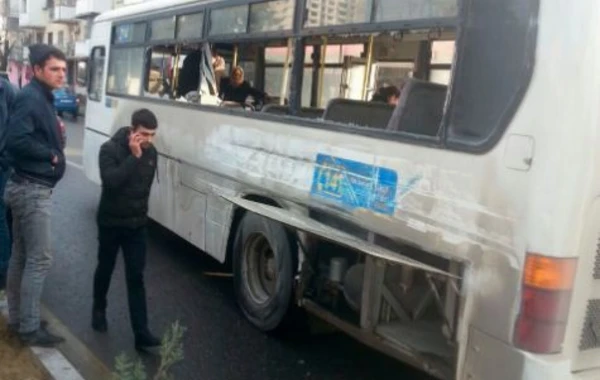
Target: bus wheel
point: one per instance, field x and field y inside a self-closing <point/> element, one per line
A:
<point x="264" y="263"/>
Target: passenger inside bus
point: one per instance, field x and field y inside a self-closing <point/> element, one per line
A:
<point x="219" y="66"/>
<point x="237" y="89"/>
<point x="189" y="75"/>
<point x="387" y="94"/>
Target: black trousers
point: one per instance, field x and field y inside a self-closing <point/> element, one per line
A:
<point x="133" y="244"/>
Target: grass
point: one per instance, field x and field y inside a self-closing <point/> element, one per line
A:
<point x="171" y="352"/>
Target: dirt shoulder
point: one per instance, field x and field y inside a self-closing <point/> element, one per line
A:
<point x="17" y="362"/>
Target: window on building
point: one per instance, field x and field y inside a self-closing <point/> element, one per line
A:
<point x="50" y="38"/>
<point x="61" y="38"/>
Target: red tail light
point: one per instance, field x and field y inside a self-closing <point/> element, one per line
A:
<point x="545" y="300"/>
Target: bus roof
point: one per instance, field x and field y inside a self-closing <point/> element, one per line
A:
<point x="149" y="7"/>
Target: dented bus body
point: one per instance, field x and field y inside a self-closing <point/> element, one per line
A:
<point x="455" y="231"/>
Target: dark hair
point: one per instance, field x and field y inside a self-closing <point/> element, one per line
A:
<point x="39" y="54"/>
<point x="384" y="93"/>
<point x="144" y="118"/>
<point x="388" y="92"/>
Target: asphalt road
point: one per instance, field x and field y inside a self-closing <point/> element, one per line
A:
<point x="219" y="343"/>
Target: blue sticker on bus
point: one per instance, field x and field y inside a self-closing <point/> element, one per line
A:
<point x="353" y="184"/>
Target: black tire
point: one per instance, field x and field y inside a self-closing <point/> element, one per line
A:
<point x="266" y="304"/>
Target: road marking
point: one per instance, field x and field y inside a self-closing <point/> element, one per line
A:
<point x="56" y="364"/>
<point x="51" y="358"/>
<point x="89" y="365"/>
<point x="76" y="166"/>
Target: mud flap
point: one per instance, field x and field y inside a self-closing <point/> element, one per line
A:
<point x="306" y="224"/>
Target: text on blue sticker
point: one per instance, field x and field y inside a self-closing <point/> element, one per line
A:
<point x="353" y="184"/>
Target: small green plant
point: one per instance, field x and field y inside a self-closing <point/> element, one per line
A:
<point x="171" y="352"/>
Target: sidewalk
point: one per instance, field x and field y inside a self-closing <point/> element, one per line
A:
<point x="35" y="363"/>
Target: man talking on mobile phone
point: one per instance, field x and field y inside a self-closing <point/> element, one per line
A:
<point x="127" y="167"/>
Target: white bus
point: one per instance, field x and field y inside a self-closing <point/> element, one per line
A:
<point x="444" y="230"/>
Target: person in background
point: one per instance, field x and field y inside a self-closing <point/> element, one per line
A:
<point x="218" y="63"/>
<point x="387" y="94"/>
<point x="127" y="168"/>
<point x="236" y="89"/>
<point x="189" y="75"/>
<point x="7" y="95"/>
<point x="35" y="144"/>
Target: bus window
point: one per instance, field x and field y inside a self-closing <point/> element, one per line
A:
<point x="81" y="72"/>
<point x="319" y="12"/>
<point x="187" y="76"/>
<point x="159" y="77"/>
<point x="96" y="73"/>
<point x="271" y="16"/>
<point x="339" y="70"/>
<point x="190" y="26"/>
<point x="394" y="10"/>
<point x="277" y="71"/>
<point x="442" y="54"/>
<point x="230" y="20"/>
<point x="162" y="29"/>
<point x="125" y="70"/>
<point x="344" y="74"/>
<point x="262" y="64"/>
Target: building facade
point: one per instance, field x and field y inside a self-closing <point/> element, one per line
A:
<point x="65" y="24"/>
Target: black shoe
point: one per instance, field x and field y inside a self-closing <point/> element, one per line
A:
<point x="99" y="321"/>
<point x="41" y="338"/>
<point x="147" y="342"/>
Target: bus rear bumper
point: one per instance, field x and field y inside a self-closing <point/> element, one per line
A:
<point x="491" y="359"/>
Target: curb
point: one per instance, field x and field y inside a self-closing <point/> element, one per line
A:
<point x="51" y="359"/>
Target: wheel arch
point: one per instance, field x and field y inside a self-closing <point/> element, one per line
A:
<point x="237" y="215"/>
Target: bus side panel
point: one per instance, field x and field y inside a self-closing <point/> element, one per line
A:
<point x="98" y="117"/>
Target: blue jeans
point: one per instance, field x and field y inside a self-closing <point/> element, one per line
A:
<point x="5" y="242"/>
<point x="31" y="257"/>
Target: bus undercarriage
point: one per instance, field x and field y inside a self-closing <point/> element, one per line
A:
<point x="399" y="300"/>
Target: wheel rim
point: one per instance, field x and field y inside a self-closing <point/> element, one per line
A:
<point x="260" y="268"/>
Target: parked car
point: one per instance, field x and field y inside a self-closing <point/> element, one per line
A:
<point x="67" y="101"/>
